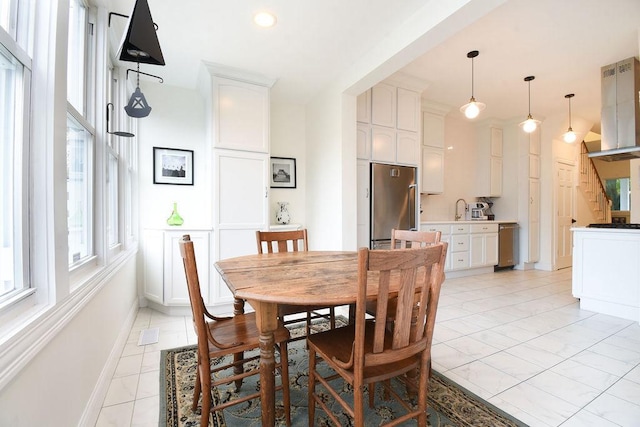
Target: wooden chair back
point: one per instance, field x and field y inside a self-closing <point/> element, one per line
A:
<point x="402" y="239"/>
<point x="282" y="241"/>
<point x="198" y="308"/>
<point x="410" y="271"/>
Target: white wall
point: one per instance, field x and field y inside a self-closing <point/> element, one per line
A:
<point x="288" y="140"/>
<point x="460" y="135"/>
<point x="56" y="388"/>
<point x="177" y="120"/>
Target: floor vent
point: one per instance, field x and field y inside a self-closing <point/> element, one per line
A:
<point x="149" y="336"/>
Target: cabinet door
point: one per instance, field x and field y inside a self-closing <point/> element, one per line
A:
<point x="432" y="130"/>
<point x="477" y="250"/>
<point x="496" y="142"/>
<point x="153" y="265"/>
<point x="241" y="113"/>
<point x="495" y="169"/>
<point x="491" y="249"/>
<point x="363" y="139"/>
<point x="534" y="221"/>
<point x="363" y="203"/>
<point x="408" y="110"/>
<point x="363" y="107"/>
<point x="383" y="145"/>
<point x="175" y="283"/>
<point x="383" y="105"/>
<point x="408" y="148"/>
<point x="432" y="170"/>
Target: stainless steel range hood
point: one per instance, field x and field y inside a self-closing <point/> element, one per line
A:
<point x="620" y="114"/>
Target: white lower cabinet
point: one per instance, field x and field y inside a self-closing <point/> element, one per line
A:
<point x="484" y="245"/>
<point x="471" y="246"/>
<point x="164" y="278"/>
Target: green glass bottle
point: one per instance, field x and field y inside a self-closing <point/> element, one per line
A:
<point x="175" y="218"/>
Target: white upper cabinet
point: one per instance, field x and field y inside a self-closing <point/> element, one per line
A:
<point x="383" y="105"/>
<point x="432" y="130"/>
<point x="407" y="147"/>
<point x="383" y="145"/>
<point x="408" y="110"/>
<point x="489" y="161"/>
<point x="363" y="140"/>
<point x="242" y="115"/>
<point x="363" y="107"/>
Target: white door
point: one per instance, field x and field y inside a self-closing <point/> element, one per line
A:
<point x="564" y="205"/>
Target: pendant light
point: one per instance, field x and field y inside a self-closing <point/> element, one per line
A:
<point x="140" y="41"/>
<point x="530" y="124"/>
<point x="569" y="136"/>
<point x="473" y="108"/>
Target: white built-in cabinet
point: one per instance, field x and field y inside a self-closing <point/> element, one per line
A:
<point x="239" y="129"/>
<point x="388" y="131"/>
<point x="432" y="178"/>
<point x="164" y="277"/>
<point x="363" y="203"/>
<point x="529" y="200"/>
<point x="470" y="246"/>
<point x="389" y="125"/>
<point x="489" y="161"/>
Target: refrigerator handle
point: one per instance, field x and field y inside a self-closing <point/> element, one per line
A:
<point x="412" y="207"/>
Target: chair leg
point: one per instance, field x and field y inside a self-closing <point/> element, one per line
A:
<point x="206" y="394"/>
<point x="358" y="403"/>
<point x="372" y="394"/>
<point x="238" y="369"/>
<point x="311" y="388"/>
<point x="196" y="390"/>
<point x="284" y="378"/>
<point x="332" y="317"/>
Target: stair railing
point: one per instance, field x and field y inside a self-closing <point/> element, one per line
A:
<point x="592" y="184"/>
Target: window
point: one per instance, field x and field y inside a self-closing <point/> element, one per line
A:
<point x="80" y="138"/>
<point x="619" y="191"/>
<point x="79" y="191"/>
<point x="14" y="143"/>
<point x="11" y="137"/>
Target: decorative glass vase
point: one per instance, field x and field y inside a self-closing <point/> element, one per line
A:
<point x="175" y="218"/>
<point x="282" y="215"/>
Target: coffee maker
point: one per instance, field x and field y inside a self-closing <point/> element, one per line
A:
<point x="477" y="211"/>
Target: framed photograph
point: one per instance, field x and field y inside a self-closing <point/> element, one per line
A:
<point x="283" y="172"/>
<point x="172" y="166"/>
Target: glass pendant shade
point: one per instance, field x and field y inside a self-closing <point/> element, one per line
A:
<point x="569" y="136"/>
<point x="473" y="107"/>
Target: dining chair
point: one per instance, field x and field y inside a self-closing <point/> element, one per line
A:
<point x="226" y="336"/>
<point x="287" y="241"/>
<point x="403" y="239"/>
<point x="366" y="352"/>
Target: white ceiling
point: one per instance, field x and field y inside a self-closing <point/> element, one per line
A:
<point x="563" y="43"/>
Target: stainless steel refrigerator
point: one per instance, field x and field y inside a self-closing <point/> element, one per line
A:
<point x="393" y="201"/>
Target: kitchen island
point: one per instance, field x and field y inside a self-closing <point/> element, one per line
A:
<point x="606" y="270"/>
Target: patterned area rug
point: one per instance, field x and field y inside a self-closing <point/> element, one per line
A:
<point x="449" y="404"/>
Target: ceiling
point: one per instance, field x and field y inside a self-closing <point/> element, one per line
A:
<point x="562" y="43"/>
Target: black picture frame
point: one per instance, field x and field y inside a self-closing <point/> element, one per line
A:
<point x="282" y="172"/>
<point x="172" y="166"/>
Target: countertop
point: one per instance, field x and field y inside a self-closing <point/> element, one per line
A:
<point x="498" y="221"/>
<point x="606" y="230"/>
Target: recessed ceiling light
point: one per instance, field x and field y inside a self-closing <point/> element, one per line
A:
<point x="265" y="19"/>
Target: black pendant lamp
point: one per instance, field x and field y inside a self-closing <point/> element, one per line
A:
<point x="140" y="41"/>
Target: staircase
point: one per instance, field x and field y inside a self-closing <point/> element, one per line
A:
<point x="592" y="187"/>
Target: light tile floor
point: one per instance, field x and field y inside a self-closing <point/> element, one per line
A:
<point x="515" y="338"/>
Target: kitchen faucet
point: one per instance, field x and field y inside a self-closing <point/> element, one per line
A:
<point x="458" y="216"/>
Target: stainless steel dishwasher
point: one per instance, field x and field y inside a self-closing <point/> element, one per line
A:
<point x="507" y="245"/>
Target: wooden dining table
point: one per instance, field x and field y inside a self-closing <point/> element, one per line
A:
<point x="299" y="278"/>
